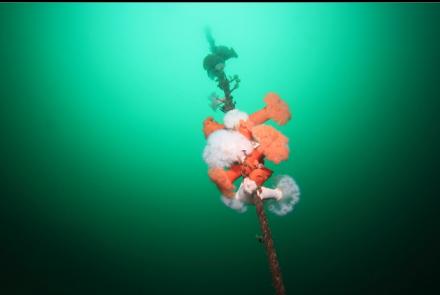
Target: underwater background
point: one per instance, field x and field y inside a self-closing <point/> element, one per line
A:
<point x="104" y="190"/>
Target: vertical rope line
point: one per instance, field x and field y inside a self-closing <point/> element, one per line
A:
<point x="277" y="279"/>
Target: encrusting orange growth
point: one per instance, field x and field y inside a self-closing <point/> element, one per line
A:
<point x="221" y="178"/>
<point x="253" y="161"/>
<point x="234" y="172"/>
<point x="245" y="128"/>
<point x="272" y="143"/>
<point x="260" y="175"/>
<point x="276" y="109"/>
<point x="209" y="126"/>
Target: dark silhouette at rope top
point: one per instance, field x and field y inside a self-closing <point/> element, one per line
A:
<point x="214" y="64"/>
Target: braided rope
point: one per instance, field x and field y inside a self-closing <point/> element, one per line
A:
<point x="277" y="279"/>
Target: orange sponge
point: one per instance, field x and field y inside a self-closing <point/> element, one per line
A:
<point x="260" y="175"/>
<point x="209" y="126"/>
<point x="275" y="109"/>
<point x="272" y="142"/>
<point x="223" y="182"/>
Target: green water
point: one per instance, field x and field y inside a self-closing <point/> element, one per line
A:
<point x="105" y="189"/>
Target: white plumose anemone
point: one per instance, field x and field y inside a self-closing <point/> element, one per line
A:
<point x="233" y="118"/>
<point x="225" y="147"/>
<point x="235" y="204"/>
<point x="290" y="196"/>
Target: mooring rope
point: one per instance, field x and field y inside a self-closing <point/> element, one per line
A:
<point x="274" y="265"/>
<point x="229" y="104"/>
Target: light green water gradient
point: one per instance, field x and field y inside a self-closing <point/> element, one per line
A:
<point x="106" y="191"/>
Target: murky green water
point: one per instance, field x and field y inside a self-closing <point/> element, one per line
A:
<point x="106" y="191"/>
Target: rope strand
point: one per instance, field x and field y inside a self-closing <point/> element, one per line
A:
<point x="277" y="279"/>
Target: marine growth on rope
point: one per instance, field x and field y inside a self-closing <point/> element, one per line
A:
<point x="237" y="148"/>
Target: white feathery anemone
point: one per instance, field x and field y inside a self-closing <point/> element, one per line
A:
<point x="290" y="191"/>
<point x="225" y="147"/>
<point x="233" y="117"/>
<point x="235" y="204"/>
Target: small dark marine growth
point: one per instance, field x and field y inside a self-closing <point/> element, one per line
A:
<point x="214" y="64"/>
